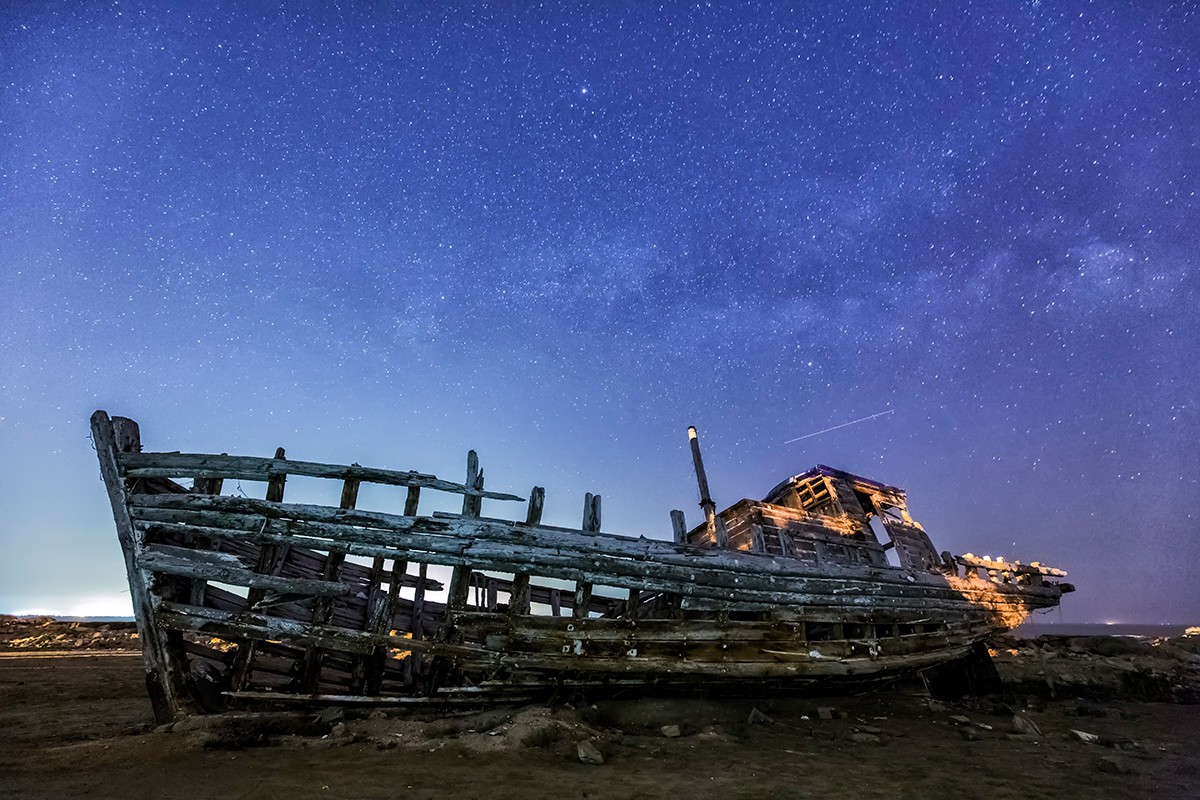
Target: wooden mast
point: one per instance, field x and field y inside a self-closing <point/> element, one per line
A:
<point x="716" y="527"/>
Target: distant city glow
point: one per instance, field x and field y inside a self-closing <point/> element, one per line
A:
<point x="118" y="606"/>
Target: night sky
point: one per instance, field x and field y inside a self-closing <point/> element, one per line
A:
<point x="387" y="233"/>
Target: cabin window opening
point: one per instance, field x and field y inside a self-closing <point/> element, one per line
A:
<point x="907" y="630"/>
<point x="864" y="500"/>
<point x="885" y="630"/>
<point x="745" y="616"/>
<point x="884" y="538"/>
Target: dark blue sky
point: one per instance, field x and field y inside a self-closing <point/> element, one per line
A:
<point x="387" y="233"/>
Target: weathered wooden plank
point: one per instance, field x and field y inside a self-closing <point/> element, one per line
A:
<point x="796" y="666"/>
<point x="443" y="697"/>
<point x="644" y="564"/>
<point x="189" y="563"/>
<point x="450" y="536"/>
<point x="684" y="630"/>
<point x="1016" y="567"/>
<point x="191" y="465"/>
<point x="253" y="626"/>
<point x="352" y="574"/>
<point x="164" y="669"/>
<point x="712" y="656"/>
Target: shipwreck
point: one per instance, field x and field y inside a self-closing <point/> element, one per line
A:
<point x="240" y="600"/>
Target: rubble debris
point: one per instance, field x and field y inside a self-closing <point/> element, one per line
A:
<point x="589" y="753"/>
<point x="1114" y="766"/>
<point x="1023" y="724"/>
<point x="860" y="737"/>
<point x="759" y="718"/>
<point x="1099" y="669"/>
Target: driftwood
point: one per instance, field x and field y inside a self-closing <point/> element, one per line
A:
<point x="291" y="602"/>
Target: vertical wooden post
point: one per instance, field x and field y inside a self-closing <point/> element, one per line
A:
<point x="199" y="586"/>
<point x="460" y="581"/>
<point x="382" y="618"/>
<point x="491" y="594"/>
<point x="537" y="499"/>
<point x="785" y="543"/>
<point x="414" y="665"/>
<point x="460" y="578"/>
<point x="411" y="500"/>
<point x="758" y="541"/>
<point x="518" y="593"/>
<point x="163" y="663"/>
<point x="633" y="605"/>
<point x="323" y="608"/>
<point x="472" y="503"/>
<point x="270" y="562"/>
<point x="669" y="602"/>
<point x="415" y="624"/>
<point x="679" y="527"/>
<point x="591" y="513"/>
<point x="583" y="600"/>
<point x="582" y="604"/>
<point x="276" y="482"/>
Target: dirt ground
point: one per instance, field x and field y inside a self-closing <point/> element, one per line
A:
<point x="79" y="725"/>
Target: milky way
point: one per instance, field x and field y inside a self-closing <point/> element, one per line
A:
<point x="388" y="234"/>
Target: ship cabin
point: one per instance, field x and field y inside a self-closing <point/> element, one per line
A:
<point x="826" y="518"/>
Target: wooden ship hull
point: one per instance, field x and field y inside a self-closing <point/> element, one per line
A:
<point x="243" y="600"/>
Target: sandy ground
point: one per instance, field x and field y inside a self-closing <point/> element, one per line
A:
<point x="78" y="724"/>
